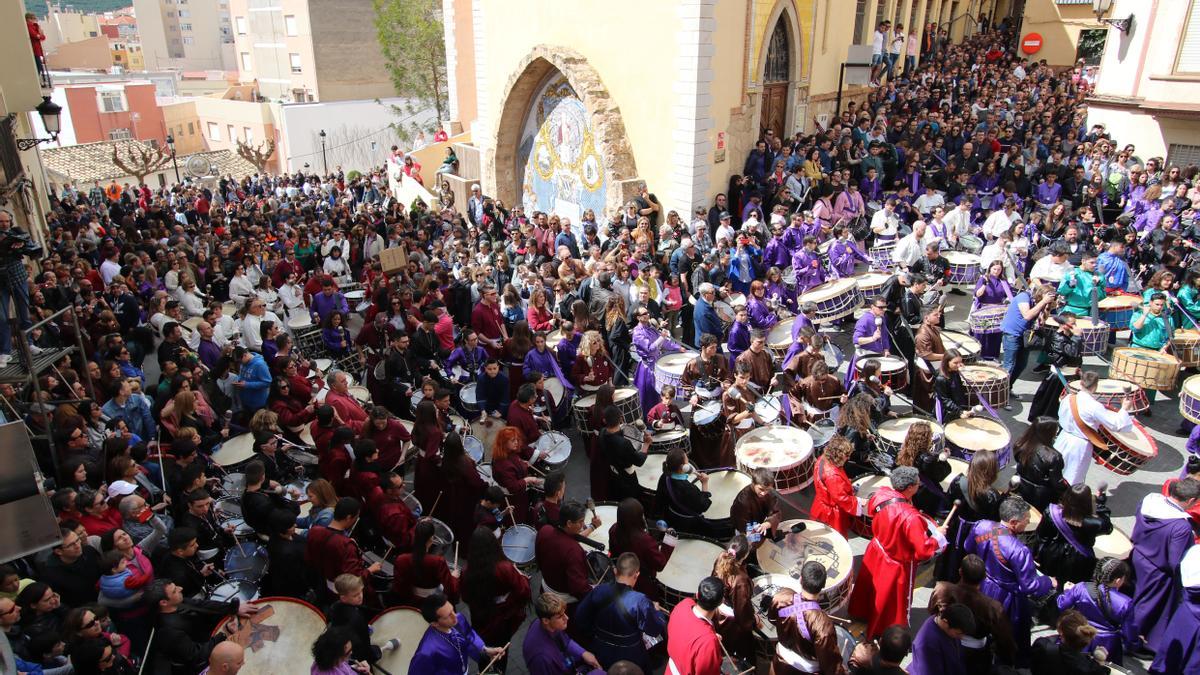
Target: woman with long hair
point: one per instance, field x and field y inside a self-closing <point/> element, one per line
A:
<point x="597" y="462"/>
<point x="86" y="623"/>
<point x="991" y="290"/>
<point x="427" y="437"/>
<point x="322" y="499"/>
<point x="494" y="589"/>
<point x="918" y="452"/>
<point x="737" y="633"/>
<point x="980" y="501"/>
<point x="422" y="571"/>
<point x="834" y="502"/>
<point x="854" y="423"/>
<point x="364" y="476"/>
<point x="518" y="344"/>
<point x="949" y="390"/>
<point x="332" y="653"/>
<point x="1106" y="608"/>
<point x="629" y="535"/>
<point x="1068" y="532"/>
<point x="1039" y="465"/>
<point x="618" y="338"/>
<point x="464" y="487"/>
<point x="592" y="366"/>
<point x="511" y="471"/>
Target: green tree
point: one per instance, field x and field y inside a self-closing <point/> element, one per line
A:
<point x="410" y="35"/>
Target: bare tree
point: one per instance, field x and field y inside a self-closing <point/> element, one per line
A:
<point x="140" y="160"/>
<point x="258" y="155"/>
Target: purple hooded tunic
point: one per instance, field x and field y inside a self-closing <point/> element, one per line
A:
<point x="761" y="315"/>
<point x="1162" y="535"/>
<point x="649" y="345"/>
<point x="808" y="276"/>
<point x="1106" y="609"/>
<point x="1012" y="576"/>
<point x="843" y="255"/>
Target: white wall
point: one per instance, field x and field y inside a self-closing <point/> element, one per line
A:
<point x="358" y="133"/>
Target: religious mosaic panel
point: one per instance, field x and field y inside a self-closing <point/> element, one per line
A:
<point x="561" y="167"/>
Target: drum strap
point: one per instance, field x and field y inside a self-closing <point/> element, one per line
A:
<point x="1089" y="433"/>
<point x="879" y="507"/>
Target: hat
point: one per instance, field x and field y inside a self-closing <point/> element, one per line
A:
<point x="726" y="216"/>
<point x="121" y="488"/>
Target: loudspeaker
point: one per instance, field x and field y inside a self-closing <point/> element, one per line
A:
<point x="26" y="517"/>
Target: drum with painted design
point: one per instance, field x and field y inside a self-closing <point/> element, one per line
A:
<point x="787" y="451"/>
<point x="816" y="541"/>
<point x="405" y="625"/>
<point x="763" y="588"/>
<point x="1127" y="450"/>
<point x="1147" y="368"/>
<point x="986" y="381"/>
<point x="965" y="437"/>
<point x="1117" y="310"/>
<point x="1112" y="394"/>
<point x="835" y="299"/>
<point x="689" y="564"/>
<point x="278" y="639"/>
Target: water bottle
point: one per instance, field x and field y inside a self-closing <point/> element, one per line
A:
<point x="752" y="534"/>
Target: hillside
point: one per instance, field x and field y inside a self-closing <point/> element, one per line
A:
<point x="39" y="6"/>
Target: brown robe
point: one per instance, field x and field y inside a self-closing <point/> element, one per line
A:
<point x="748" y="507"/>
<point x="822" y="648"/>
<point x="730" y="406"/>
<point x="929" y="343"/>
<point x="737" y="631"/>
<point x="697" y="369"/>
<point x="801" y="364"/>
<point x="762" y="367"/>
<point x="821" y="394"/>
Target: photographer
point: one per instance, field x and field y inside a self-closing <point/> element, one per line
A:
<point x="14" y="280"/>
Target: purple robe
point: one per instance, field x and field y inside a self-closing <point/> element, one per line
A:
<point x="842" y="256"/>
<point x="543" y="362"/>
<point x="865" y="327"/>
<point x="776" y="253"/>
<point x="739" y="340"/>
<point x="1047" y="194"/>
<point x="1161" y="536"/>
<point x="777" y="290"/>
<point x="986" y="184"/>
<point x="1110" y="623"/>
<point x="807" y="276"/>
<point x="468" y="360"/>
<point x="568" y="350"/>
<point x="761" y="315"/>
<point x="323" y="305"/>
<point x="936" y="653"/>
<point x="996" y="292"/>
<point x="649" y="345"/>
<point x="1012" y="577"/>
<point x="548" y="653"/>
<point x="793" y="239"/>
<point x="1179" y="647"/>
<point x="440" y="653"/>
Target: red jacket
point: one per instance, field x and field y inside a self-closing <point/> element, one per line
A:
<point x="834" y="502"/>
<point x="395" y="520"/>
<point x="653" y="555"/>
<point x="434" y="572"/>
<point x="522" y="419"/>
<point x="390" y="441"/>
<point x="692" y="643"/>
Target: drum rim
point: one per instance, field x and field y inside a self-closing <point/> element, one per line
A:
<point x="273" y="599"/>
<point x="937" y="428"/>
<point x="1119" y="302"/>
<point x="829" y="286"/>
<point x="961" y="422"/>
<point x="1140" y="430"/>
<point x="1153" y="355"/>
<point x="217" y="453"/>
<point x="686" y="356"/>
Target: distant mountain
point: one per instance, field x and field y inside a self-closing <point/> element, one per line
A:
<point x="87" y="6"/>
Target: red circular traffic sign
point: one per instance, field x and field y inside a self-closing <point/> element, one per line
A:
<point x="1031" y="43"/>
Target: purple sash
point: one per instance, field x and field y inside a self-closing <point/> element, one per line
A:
<point x="797" y="608"/>
<point x="785" y="405"/>
<point x="1064" y="527"/>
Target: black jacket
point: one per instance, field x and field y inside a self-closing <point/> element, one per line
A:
<point x="185" y="637"/>
<point x="76" y="583"/>
<point x="952" y="394"/>
<point x="1064" y="350"/>
<point x="1042" y="481"/>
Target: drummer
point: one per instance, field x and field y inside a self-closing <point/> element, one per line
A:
<point x="820" y="394"/>
<point x="808" y="640"/>
<point x="834" y="502"/>
<point x="1081" y="416"/>
<point x="650" y="342"/>
<point x="1150" y="329"/>
<point x="511" y="472"/>
<point x="736" y="629"/>
<point x="1052" y="268"/>
<point x="755" y="510"/>
<point x="807" y="265"/>
<point x="708" y="365"/>
<point x="592" y="366"/>
<point x="629" y="535"/>
<point x="739" y="333"/>
<point x="349" y="410"/>
<point x="803" y="353"/>
<point x="666" y="415"/>
<point x="758" y="359"/>
<point x="681" y="502"/>
<point x="542" y="360"/>
<point x="761" y="314"/>
<point x="844" y="252"/>
<point x="618" y="615"/>
<point x="521" y="415"/>
<point x="737" y="406"/>
<point x="466" y="362"/>
<point x="869" y="335"/>
<point x="622" y="458"/>
<point x="1067" y="534"/>
<point x="330" y="550"/>
<point x="991" y="290"/>
<point x="950" y="393"/>
<point x="560" y="557"/>
<point x="391" y="514"/>
<point x="423" y="571"/>
<point x="390" y="436"/>
<point x="400" y="375"/>
<point x="917" y="451"/>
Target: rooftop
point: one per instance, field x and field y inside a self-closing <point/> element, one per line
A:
<point x="93" y="161"/>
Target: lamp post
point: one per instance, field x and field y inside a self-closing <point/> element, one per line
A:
<point x="174" y="162"/>
<point x="51" y="114"/>
<point x="1101" y="7"/>
<point x="324" y="159"/>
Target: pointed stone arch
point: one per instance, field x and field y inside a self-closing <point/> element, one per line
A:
<point x="608" y="128"/>
<point x="786" y="14"/>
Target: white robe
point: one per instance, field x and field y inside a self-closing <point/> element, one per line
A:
<point x="1072" y="444"/>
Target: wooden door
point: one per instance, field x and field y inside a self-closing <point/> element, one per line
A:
<point x="774" y="107"/>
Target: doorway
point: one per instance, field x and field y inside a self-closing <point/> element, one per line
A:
<point x="776" y="76"/>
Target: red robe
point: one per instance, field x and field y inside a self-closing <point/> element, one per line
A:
<point x="523" y="420"/>
<point x="464" y="488"/>
<point x="334" y="466"/>
<point x="593" y="375"/>
<point x="300" y="389"/>
<point x="692" y="643"/>
<point x="427" y="481"/>
<point x="321" y="436"/>
<point x="834" y="502"/>
<point x="653" y="555"/>
<point x="498" y="620"/>
<point x="434" y="572"/>
<point x="331" y="552"/>
<point x="486" y="321"/>
<point x="562" y="562"/>
<point x="510" y="474"/>
<point x="360" y="485"/>
<point x="883" y="590"/>
<point x="394" y="519"/>
<point x="390" y="441"/>
<point x="348" y="408"/>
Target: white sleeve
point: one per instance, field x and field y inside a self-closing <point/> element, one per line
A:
<point x="1097" y="416"/>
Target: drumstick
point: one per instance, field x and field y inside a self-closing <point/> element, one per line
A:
<point x="731" y="661"/>
<point x="953" y="510"/>
<point x="456" y="555"/>
<point x="495" y="658"/>
<point x="435" y="503"/>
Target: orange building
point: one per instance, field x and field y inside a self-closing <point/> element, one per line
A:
<point x="113" y="111"/>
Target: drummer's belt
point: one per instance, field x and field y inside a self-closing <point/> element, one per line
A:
<point x="425" y="592"/>
<point x="797" y="660"/>
<point x="565" y="597"/>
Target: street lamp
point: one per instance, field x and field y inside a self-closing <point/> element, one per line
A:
<point x="174" y="162"/>
<point x="324" y="159"/>
<point x="51" y="114"/>
<point x="1101" y="7"/>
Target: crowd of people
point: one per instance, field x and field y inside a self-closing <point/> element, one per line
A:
<point x="364" y="437"/>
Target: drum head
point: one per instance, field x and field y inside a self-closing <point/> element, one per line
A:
<point x="668" y="435"/>
<point x="828" y="290"/>
<point x="690" y="563"/>
<point x="299" y="321"/>
<point x="822" y="432"/>
<point x="468" y="395"/>
<point x="474" y="448"/>
<point x="780" y="335"/>
<point x="246" y="562"/>
<point x="227" y="509"/>
<point x="234" y="484"/>
<point x="706" y="413"/>
<point x="872" y="280"/>
<point x="585" y="403"/>
<point x="768" y="409"/>
<point x="724" y="310"/>
<point x="443" y="537"/>
<point x="244" y="591"/>
<point x="960" y="258"/>
<point x="407" y="626"/>
<point x="607" y="513"/>
<point x="978" y="374"/>
<point x="360" y="394"/>
<point x="897" y="430"/>
<point x="965" y="344"/>
<point x="1115" y="544"/>
<point x="235" y="450"/>
<point x="1119" y="302"/>
<point x="1134" y="439"/>
<point x="649" y="473"/>
<point x="978" y="433"/>
<point x="724" y="487"/>
<point x="556" y="389"/>
<point x="817" y="542"/>
<point x="518" y="544"/>
<point x="294" y="624"/>
<point x="555" y="445"/>
<point x="774" y="447"/>
<point x="484" y="469"/>
<point x="674" y="363"/>
<point x="323" y="365"/>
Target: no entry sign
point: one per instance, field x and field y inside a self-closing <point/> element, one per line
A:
<point x="1031" y="43"/>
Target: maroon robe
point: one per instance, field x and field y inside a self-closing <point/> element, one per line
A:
<point x="390" y="442"/>
<point x="393" y="518"/>
<point x="498" y="619"/>
<point x="332" y="552"/>
<point x="653" y="555"/>
<point x="563" y="563"/>
<point x="433" y="572"/>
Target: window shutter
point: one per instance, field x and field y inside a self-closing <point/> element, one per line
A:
<point x="1189" y="44"/>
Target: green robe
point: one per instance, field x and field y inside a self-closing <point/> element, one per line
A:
<point x="1152" y="335"/>
<point x="1189" y="299"/>
<point x="1168" y="310"/>
<point x="1078" y="298"/>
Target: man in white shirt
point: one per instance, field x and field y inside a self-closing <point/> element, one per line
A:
<point x="725" y="230"/>
<point x="928" y="201"/>
<point x="1001" y="220"/>
<point x="111" y="266"/>
<point x="911" y="247"/>
<point x="877" y="58"/>
<point x="1052" y="268"/>
<point x="959" y="219"/>
<point x="1075" y="443"/>
<point x="894" y="50"/>
<point x="884" y="223"/>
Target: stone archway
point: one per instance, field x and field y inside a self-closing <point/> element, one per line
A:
<point x="504" y="179"/>
<point x="783" y="22"/>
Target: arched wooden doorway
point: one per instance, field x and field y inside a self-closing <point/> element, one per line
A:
<point x="776" y="75"/>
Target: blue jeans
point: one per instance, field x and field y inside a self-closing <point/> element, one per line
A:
<point x="20" y="302"/>
<point x="1015" y="357"/>
<point x="891" y="64"/>
<point x="910" y="63"/>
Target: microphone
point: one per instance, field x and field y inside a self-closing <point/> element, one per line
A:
<point x="977" y="410"/>
<point x="1014" y="482"/>
<point x="878" y="321"/>
<point x="1102" y="487"/>
<point x="228" y="418"/>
